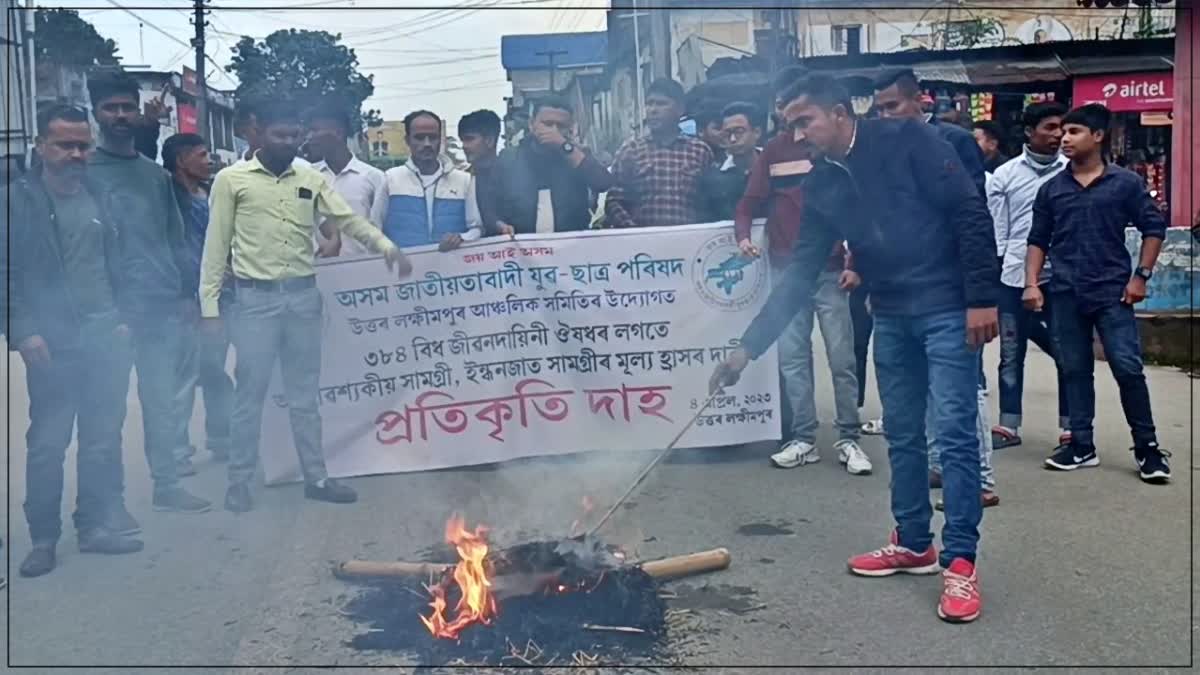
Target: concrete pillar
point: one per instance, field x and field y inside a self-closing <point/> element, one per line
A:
<point x="1185" y="161"/>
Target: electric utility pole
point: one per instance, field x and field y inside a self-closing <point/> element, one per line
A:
<point x="201" y="87"/>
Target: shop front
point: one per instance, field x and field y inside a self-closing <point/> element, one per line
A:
<point x="1140" y="138"/>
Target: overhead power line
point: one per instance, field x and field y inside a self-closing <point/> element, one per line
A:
<point x="441" y="62"/>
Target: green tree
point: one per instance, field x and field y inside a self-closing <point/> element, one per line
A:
<point x="972" y="33"/>
<point x="66" y="39"/>
<point x="303" y="67"/>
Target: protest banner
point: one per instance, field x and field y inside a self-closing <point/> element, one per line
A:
<point x="549" y="344"/>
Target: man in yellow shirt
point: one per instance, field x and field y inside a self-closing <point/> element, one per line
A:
<point x="264" y="211"/>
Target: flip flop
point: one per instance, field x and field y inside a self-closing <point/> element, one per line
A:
<point x="1003" y="438"/>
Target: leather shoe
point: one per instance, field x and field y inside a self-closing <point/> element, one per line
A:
<point x="237" y="499"/>
<point x="330" y="491"/>
<point x="41" y="560"/>
<point x="100" y="540"/>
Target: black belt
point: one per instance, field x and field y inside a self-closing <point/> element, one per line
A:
<point x="293" y="284"/>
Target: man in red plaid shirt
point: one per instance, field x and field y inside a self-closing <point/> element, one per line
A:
<point x="657" y="177"/>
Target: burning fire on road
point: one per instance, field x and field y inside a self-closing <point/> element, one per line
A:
<point x="558" y="601"/>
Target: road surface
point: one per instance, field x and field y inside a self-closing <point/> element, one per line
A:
<point x="1088" y="568"/>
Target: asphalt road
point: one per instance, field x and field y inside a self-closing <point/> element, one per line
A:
<point x="1088" y="568"/>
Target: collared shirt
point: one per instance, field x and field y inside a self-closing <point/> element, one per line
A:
<point x="297" y="161"/>
<point x="1011" y="192"/>
<point x="364" y="189"/>
<point x="268" y="221"/>
<point x="1083" y="231"/>
<point x="657" y="183"/>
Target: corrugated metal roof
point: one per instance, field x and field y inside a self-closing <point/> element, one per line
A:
<point x="942" y="71"/>
<point x="520" y="52"/>
<point x="1015" y="72"/>
<point x="1104" y="65"/>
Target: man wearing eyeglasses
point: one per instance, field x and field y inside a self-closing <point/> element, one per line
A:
<point x="742" y="126"/>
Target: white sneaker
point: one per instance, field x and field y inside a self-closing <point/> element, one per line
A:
<point x="856" y="461"/>
<point x="794" y="454"/>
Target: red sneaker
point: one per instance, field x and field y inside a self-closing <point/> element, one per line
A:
<point x="960" y="602"/>
<point x="893" y="559"/>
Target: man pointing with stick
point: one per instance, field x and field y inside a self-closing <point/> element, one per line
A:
<point x="924" y="245"/>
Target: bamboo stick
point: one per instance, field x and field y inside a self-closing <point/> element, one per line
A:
<point x="687" y="565"/>
<point x="358" y="569"/>
<point x="664" y="569"/>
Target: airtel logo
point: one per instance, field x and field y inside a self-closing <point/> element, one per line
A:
<point x="1135" y="89"/>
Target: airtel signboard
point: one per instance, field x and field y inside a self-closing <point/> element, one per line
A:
<point x="1128" y="92"/>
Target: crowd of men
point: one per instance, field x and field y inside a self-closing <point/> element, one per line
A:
<point x="895" y="227"/>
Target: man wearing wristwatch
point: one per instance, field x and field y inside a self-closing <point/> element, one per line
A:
<point x="1079" y="219"/>
<point x="546" y="183"/>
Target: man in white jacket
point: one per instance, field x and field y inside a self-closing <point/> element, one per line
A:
<point x="429" y="201"/>
<point x="1011" y="192"/>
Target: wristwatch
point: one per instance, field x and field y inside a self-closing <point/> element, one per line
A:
<point x="568" y="148"/>
<point x="1143" y="273"/>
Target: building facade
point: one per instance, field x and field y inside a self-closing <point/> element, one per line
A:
<point x="826" y="27"/>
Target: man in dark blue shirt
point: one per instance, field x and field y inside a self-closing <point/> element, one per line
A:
<point x="920" y="228"/>
<point x="1079" y="217"/>
<point x="186" y="157"/>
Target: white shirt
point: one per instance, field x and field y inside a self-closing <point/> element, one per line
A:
<point x="1010" y="195"/>
<point x="363" y="188"/>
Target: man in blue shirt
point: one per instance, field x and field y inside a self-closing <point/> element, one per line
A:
<point x="1079" y="218"/>
<point x="186" y="157"/>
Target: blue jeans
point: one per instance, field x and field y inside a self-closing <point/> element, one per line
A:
<point x="831" y="307"/>
<point x="922" y="356"/>
<point x="1072" y="326"/>
<point x="269" y="326"/>
<point x="157" y="350"/>
<point x="203" y="365"/>
<point x="84" y="387"/>
<point x="987" y="474"/>
<point x="1017" y="327"/>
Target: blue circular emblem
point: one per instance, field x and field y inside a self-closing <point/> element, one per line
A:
<point x="724" y="278"/>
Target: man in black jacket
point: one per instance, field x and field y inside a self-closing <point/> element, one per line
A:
<point x="898" y="95"/>
<point x="66" y="324"/>
<point x="545" y="183"/>
<point x="923" y="242"/>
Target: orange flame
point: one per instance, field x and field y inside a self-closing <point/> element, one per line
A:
<point x="477" y="604"/>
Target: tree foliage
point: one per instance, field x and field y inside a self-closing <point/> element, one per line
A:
<point x="66" y="39"/>
<point x="302" y="67"/>
<point x="973" y="33"/>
